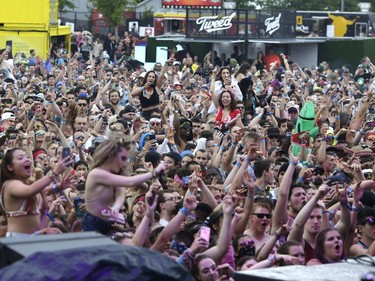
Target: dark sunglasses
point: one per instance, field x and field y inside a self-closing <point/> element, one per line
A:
<point x="262" y="216"/>
<point x="81" y="104"/>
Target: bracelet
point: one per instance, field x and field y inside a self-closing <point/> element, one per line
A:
<point x="53" y="178"/>
<point x="293" y="163"/>
<point x="238" y="165"/>
<point x="355" y="209"/>
<point x="36" y="233"/>
<point x="338" y="117"/>
<point x="175" y="111"/>
<point x="222" y="148"/>
<point x="247" y="159"/>
<point x="260" y="115"/>
<point x="272" y="260"/>
<point x="277" y="235"/>
<point x="217" y="145"/>
<point x="50" y="216"/>
<point x="184" y="211"/>
<point x="262" y="140"/>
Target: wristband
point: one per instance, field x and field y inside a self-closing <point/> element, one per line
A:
<point x="184" y="211"/>
<point x="277" y="235"/>
<point x="262" y="140"/>
<point x="355" y="208"/>
<point x="247" y="159"/>
<point x="36" y="233"/>
<point x="217" y="145"/>
<point x="222" y="147"/>
<point x="338" y="118"/>
<point x="292" y="163"/>
<point x="272" y="260"/>
<point x="238" y="165"/>
<point x="52" y="178"/>
<point x="260" y="115"/>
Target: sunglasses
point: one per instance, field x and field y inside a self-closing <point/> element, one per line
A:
<point x="81" y="104"/>
<point x="80" y="138"/>
<point x="371" y="221"/>
<point x="262" y="216"/>
<point x="273" y="137"/>
<point x="173" y="198"/>
<point x="155" y="123"/>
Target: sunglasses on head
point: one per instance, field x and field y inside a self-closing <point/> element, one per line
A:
<point x="262" y="216"/>
<point x="371" y="221"/>
<point x="372" y="138"/>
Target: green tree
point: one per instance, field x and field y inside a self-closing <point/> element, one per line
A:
<point x="112" y="11"/>
<point x="303" y="5"/>
<point x="65" y="6"/>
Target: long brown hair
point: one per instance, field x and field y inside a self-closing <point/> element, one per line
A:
<point x="5" y="174"/>
<point x="108" y="150"/>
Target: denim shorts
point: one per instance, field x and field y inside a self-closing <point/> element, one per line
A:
<point x="93" y="223"/>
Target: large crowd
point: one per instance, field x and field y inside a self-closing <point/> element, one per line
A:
<point x="222" y="163"/>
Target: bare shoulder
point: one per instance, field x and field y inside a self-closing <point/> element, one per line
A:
<point x="313" y="262"/>
<point x="357" y="249"/>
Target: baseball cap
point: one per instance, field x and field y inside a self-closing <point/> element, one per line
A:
<point x="7" y="115"/>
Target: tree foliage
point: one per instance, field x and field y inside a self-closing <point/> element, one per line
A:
<point x="303" y="5"/>
<point x="112" y="10"/>
<point x="65" y="6"/>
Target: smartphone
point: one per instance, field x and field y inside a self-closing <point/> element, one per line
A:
<point x="65" y="152"/>
<point x="152" y="198"/>
<point x="205" y="233"/>
<point x="78" y="201"/>
<point x="223" y="271"/>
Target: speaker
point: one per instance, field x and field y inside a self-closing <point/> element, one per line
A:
<point x="343" y="271"/>
<point x="17" y="248"/>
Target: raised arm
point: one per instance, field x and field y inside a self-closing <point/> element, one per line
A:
<point x="296" y="232"/>
<point x="217" y="252"/>
<point x="100" y="176"/>
<point x="281" y="209"/>
<point x="190" y="203"/>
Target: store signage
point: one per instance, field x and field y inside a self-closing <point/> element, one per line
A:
<point x="215" y="23"/>
<point x="272" y="24"/>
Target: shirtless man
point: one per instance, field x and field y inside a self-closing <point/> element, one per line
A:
<point x="105" y="184"/>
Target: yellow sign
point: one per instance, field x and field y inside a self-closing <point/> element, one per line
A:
<point x="341" y="24"/>
<point x="299" y="20"/>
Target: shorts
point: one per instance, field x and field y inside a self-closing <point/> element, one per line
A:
<point x="93" y="223"/>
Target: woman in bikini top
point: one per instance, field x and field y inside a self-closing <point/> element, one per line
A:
<point x="18" y="199"/>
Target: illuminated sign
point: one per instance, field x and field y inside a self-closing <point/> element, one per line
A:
<point x="215" y="23"/>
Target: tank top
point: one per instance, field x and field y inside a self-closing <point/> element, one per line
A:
<point x="147" y="102"/>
